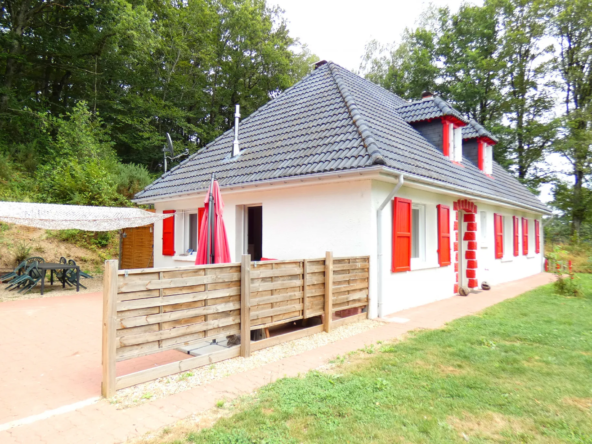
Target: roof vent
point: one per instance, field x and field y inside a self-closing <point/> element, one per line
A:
<point x="236" y="148"/>
<point x="319" y="64"/>
<point x="426" y="95"/>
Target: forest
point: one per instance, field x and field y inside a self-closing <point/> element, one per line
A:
<point x="89" y="89"/>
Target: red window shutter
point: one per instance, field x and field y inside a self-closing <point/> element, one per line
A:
<point x="498" y="223"/>
<point x="446" y="138"/>
<point x="537" y="237"/>
<point x="443" y="235"/>
<point x="200" y="213"/>
<point x="524" y="236"/>
<point x="516" y="236"/>
<point x="401" y="235"/>
<point x="168" y="234"/>
<point x="481" y="154"/>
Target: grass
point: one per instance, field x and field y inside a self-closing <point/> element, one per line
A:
<point x="521" y="371"/>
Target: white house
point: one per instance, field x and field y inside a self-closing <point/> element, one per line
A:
<point x="337" y="163"/>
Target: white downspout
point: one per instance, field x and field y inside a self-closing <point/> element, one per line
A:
<point x="390" y="197"/>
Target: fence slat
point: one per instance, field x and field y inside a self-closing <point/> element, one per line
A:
<point x="328" y="290"/>
<point x="108" y="387"/>
<point x="245" y="348"/>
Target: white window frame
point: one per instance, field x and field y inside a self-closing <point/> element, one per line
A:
<point x="457" y="149"/>
<point x="508" y="223"/>
<point x="488" y="154"/>
<point x="483" y="228"/>
<point x="416" y="261"/>
<point x="186" y="228"/>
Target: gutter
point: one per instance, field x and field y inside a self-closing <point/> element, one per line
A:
<point x="392" y="194"/>
<point x="359" y="172"/>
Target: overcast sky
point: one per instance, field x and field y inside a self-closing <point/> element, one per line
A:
<point x="338" y="30"/>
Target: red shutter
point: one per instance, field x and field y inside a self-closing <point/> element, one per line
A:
<point x="401" y="235"/>
<point x="168" y="234"/>
<point x="443" y="235"/>
<point x="516" y="235"/>
<point x="446" y="138"/>
<point x="537" y="236"/>
<point x="498" y="224"/>
<point x="524" y="236"/>
<point x="200" y="213"/>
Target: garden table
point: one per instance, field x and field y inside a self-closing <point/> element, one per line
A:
<point x="54" y="267"/>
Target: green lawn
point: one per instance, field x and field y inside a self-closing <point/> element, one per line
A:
<point x="519" y="372"/>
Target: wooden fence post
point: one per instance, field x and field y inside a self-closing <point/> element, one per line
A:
<point x="304" y="292"/>
<point x="328" y="290"/>
<point x="109" y="328"/>
<point x="246" y="306"/>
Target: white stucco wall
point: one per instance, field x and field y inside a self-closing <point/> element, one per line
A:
<point x="306" y="221"/>
<point x="298" y="222"/>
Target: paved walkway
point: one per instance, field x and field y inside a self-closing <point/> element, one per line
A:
<point x="103" y="423"/>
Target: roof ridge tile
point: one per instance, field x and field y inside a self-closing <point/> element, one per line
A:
<point x="363" y="129"/>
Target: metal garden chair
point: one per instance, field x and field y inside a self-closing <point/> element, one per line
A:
<point x="15" y="273"/>
<point x="30" y="275"/>
<point x="70" y="275"/>
<point x="31" y="279"/>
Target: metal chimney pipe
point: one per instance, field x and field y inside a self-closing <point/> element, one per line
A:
<point x="236" y="148"/>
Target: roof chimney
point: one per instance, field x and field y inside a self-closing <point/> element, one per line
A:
<point x="236" y="148"/>
<point x="319" y="64"/>
<point x="426" y="95"/>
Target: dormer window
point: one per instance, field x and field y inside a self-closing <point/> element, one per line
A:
<point x="452" y="140"/>
<point x="485" y="157"/>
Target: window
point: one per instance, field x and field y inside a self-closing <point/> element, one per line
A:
<point x="488" y="164"/>
<point x="508" y="236"/>
<point x="418" y="233"/>
<point x="456" y="149"/>
<point x="192" y="227"/>
<point x="483" y="223"/>
<point x="193" y="232"/>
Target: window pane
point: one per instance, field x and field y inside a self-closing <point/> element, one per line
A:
<point x="483" y="227"/>
<point x="415" y="233"/>
<point x="193" y="231"/>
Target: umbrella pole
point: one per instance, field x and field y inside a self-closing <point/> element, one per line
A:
<point x="209" y="232"/>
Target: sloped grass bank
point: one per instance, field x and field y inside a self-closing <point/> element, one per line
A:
<point x="520" y="371"/>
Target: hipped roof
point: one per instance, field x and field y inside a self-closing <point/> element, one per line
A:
<point x="332" y="120"/>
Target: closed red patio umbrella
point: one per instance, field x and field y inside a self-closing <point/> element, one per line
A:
<point x="213" y="243"/>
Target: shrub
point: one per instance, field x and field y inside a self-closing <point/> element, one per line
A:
<point x="131" y="179"/>
<point x="22" y="251"/>
<point x="565" y="285"/>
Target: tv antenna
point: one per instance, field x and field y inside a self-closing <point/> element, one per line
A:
<point x="169" y="152"/>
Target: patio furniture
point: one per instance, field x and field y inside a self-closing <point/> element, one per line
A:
<point x="53" y="268"/>
<point x="71" y="276"/>
<point x="13" y="274"/>
<point x="24" y="279"/>
<point x="38" y="259"/>
<point x="30" y="280"/>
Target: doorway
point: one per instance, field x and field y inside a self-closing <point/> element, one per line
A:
<point x="254" y="238"/>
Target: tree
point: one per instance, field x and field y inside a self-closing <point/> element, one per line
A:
<point x="572" y="29"/>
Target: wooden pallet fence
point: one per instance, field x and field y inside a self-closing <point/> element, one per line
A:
<point x="152" y="310"/>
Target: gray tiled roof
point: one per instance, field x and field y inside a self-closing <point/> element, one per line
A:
<point x="332" y="120"/>
<point x="428" y="109"/>
<point x="474" y="130"/>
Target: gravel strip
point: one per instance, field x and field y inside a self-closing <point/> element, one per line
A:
<point x="162" y="387"/>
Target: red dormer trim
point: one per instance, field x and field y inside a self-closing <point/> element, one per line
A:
<point x="456" y="122"/>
